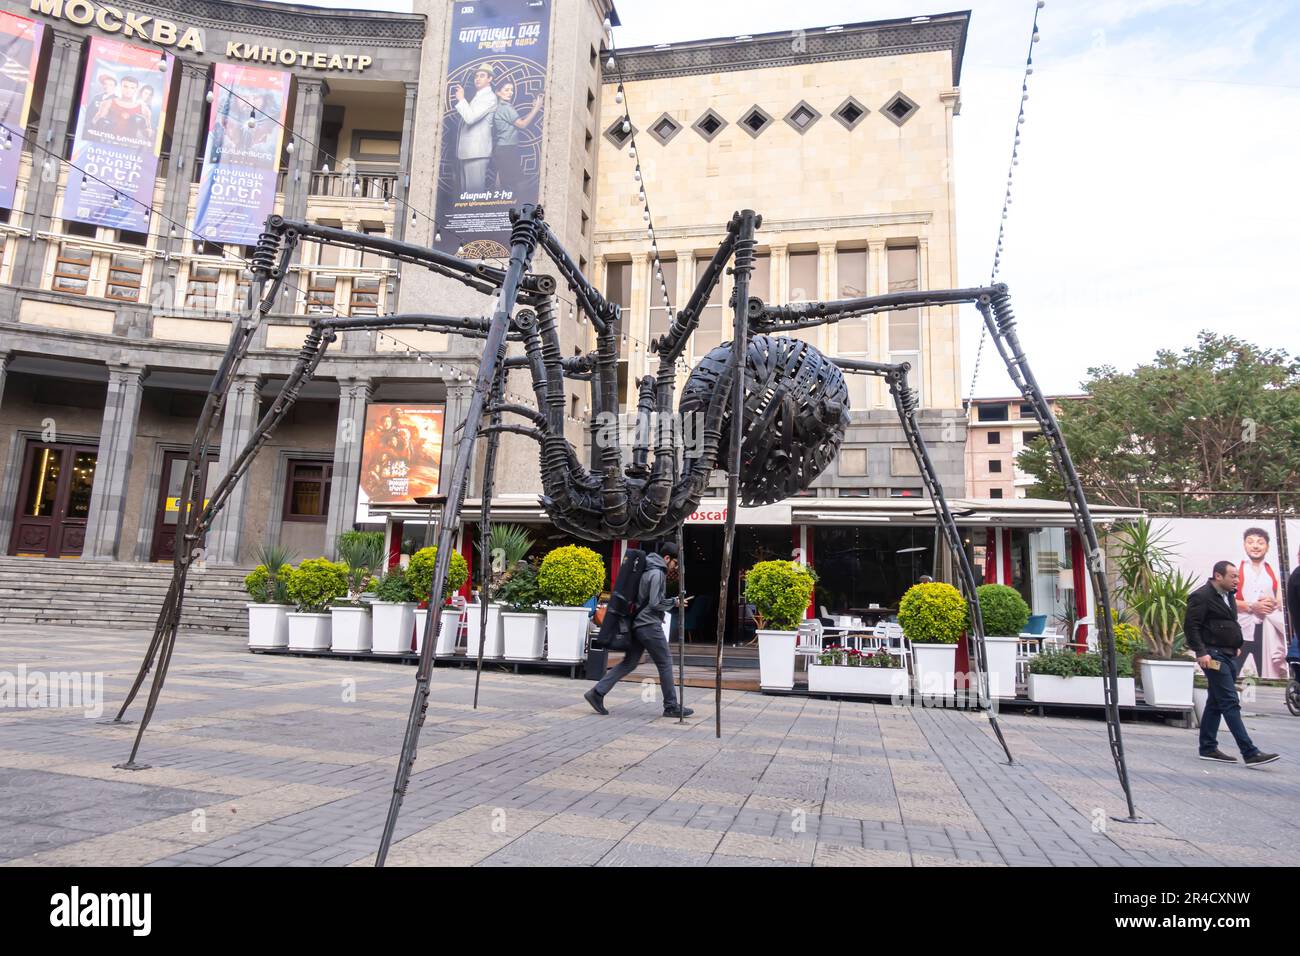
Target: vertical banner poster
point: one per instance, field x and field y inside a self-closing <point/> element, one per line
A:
<point x="493" y="101"/>
<point x="242" y="159"/>
<point x="20" y="46"/>
<point x="1250" y="544"/>
<point x="401" y="455"/>
<point x="119" y="135"/>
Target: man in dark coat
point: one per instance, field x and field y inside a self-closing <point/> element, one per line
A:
<point x="648" y="636"/>
<point x="1214" y="636"/>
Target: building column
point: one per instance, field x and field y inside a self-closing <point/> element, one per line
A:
<point x="243" y="404"/>
<point x="29" y="260"/>
<point x="307" y="116"/>
<point x="5" y="359"/>
<point x="353" y="395"/>
<point x="113" y="465"/>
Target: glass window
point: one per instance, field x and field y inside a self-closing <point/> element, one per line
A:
<point x="72" y="270"/>
<point x="307" y="490"/>
<point x="710" y="333"/>
<point x="995" y="467"/>
<point x="760" y="280"/>
<point x="365" y="296"/>
<point x="904" y="327"/>
<point x="201" y="289"/>
<point x="659" y="314"/>
<point x="803" y="276"/>
<point x="320" y="293"/>
<point x="124" y="277"/>
<point x="83" y="480"/>
<point x="995" y="438"/>
<point x="860" y="566"/>
<point x="43" y="483"/>
<point x="993" y="413"/>
<point x="851" y="268"/>
<point x="995" y="493"/>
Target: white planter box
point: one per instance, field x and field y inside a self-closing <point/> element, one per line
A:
<point x="267" y="625"/>
<point x="936" y="670"/>
<point x="1168" y="683"/>
<point x="1001" y="653"/>
<point x="776" y="659"/>
<point x="351" y="628"/>
<point x="448" y="632"/>
<point x="1200" y="697"/>
<point x="492" y="645"/>
<point x="842" y="679"/>
<point x="392" y="626"/>
<point x="524" y="635"/>
<point x="566" y="634"/>
<point x="308" y="632"/>
<point x="1047" y="689"/>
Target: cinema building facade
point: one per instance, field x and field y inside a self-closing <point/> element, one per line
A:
<point x="122" y="271"/>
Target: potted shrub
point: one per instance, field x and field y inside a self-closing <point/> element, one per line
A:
<point x="840" y="671"/>
<point x="419" y="574"/>
<point x="361" y="553"/>
<point x="508" y="544"/>
<point x="1005" y="615"/>
<point x="267" y="585"/>
<point x="568" y="578"/>
<point x="313" y="586"/>
<point x="933" y="617"/>
<point x="780" y="592"/>
<point x="1064" y="677"/>
<point x="522" y="623"/>
<point x="1154" y="594"/>
<point x="393" y="613"/>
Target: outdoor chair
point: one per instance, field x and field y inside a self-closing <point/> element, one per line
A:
<point x="808" y="644"/>
<point x="1037" y="624"/>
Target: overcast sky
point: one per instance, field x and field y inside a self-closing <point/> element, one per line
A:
<point x="1157" y="192"/>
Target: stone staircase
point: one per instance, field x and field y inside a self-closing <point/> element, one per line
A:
<point x="117" y="595"/>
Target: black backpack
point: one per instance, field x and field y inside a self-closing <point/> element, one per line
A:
<point x="622" y="606"/>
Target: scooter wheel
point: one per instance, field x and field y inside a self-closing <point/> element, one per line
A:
<point x="1293" y="698"/>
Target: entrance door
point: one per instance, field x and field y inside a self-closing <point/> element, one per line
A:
<point x="703" y="546"/>
<point x="54" y="500"/>
<point x="167" y="513"/>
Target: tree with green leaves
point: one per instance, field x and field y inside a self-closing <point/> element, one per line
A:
<point x="1223" y="415"/>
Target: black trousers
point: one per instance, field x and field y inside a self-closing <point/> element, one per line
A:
<point x="651" y="640"/>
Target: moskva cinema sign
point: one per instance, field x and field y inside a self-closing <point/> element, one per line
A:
<point x="161" y="32"/>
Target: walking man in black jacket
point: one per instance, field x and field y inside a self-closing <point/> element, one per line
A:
<point x="648" y="636"/>
<point x="1214" y="636"/>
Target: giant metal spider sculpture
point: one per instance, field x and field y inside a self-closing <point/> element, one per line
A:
<point x="793" y="402"/>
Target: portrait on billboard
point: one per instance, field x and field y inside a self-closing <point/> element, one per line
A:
<point x="1251" y="545"/>
<point x="492" y="122"/>
<point x="401" y="453"/>
<point x="20" y="52"/>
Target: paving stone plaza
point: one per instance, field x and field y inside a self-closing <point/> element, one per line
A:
<point x="269" y="761"/>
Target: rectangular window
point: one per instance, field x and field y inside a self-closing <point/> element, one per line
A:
<point x="995" y="493"/>
<point x="710" y="333"/>
<point x="995" y="467"/>
<point x="995" y="438"/>
<point x="307" y="490"/>
<point x="373" y="260"/>
<point x="851" y="268"/>
<point x="760" y="280"/>
<point x="905" y="327"/>
<point x="365" y="296"/>
<point x="618" y="289"/>
<point x="994" y="413"/>
<point x="320" y="293"/>
<point x="853" y="335"/>
<point x="201" y="289"/>
<point x="1026" y="410"/>
<point x="124" y="277"/>
<point x="72" y="270"/>
<point x="658" y="313"/>
<point x="803" y="288"/>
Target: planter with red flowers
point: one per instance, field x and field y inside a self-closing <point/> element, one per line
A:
<point x="875" y="673"/>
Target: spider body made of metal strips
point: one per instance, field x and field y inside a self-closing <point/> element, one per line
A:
<point x="795" y="395"/>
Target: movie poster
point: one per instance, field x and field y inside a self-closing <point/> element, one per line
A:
<point x="1251" y="544"/>
<point x="401" y="455"/>
<point x="493" y="101"/>
<point x="20" y="46"/>
<point x="119" y="135"/>
<point x="242" y="159"/>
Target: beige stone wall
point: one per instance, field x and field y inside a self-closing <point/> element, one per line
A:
<point x="875" y="186"/>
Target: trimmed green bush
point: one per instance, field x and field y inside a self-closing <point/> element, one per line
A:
<point x="316" y="583"/>
<point x="780" y="592"/>
<point x="394" y="588"/>
<point x="1004" y="611"/>
<point x="1070" y="664"/>
<point x="419" y="574"/>
<point x="570" y="576"/>
<point x="266" y="588"/>
<point x="519" y="592"/>
<point x="933" y="613"/>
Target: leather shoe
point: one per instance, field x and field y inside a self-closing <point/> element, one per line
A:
<point x="597" y="701"/>
<point x="677" y="710"/>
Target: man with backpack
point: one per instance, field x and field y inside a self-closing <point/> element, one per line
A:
<point x="646" y="633"/>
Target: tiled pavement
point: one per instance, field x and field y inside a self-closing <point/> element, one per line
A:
<point x="265" y="761"/>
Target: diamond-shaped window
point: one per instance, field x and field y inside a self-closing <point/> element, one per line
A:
<point x="900" y="108"/>
<point x="802" y="117"/>
<point x="617" y="135"/>
<point x="755" y="120"/>
<point x="850" y="113"/>
<point x="709" y="125"/>
<point x="665" y="128"/>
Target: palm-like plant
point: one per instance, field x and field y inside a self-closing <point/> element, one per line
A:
<point x="363" y="553"/>
<point x="508" y="544"/>
<point x="1154" y="593"/>
<point x="273" y="556"/>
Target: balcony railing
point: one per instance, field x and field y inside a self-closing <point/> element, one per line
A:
<point x="377" y="186"/>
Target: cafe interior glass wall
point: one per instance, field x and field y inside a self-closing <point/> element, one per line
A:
<point x="861" y="566"/>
